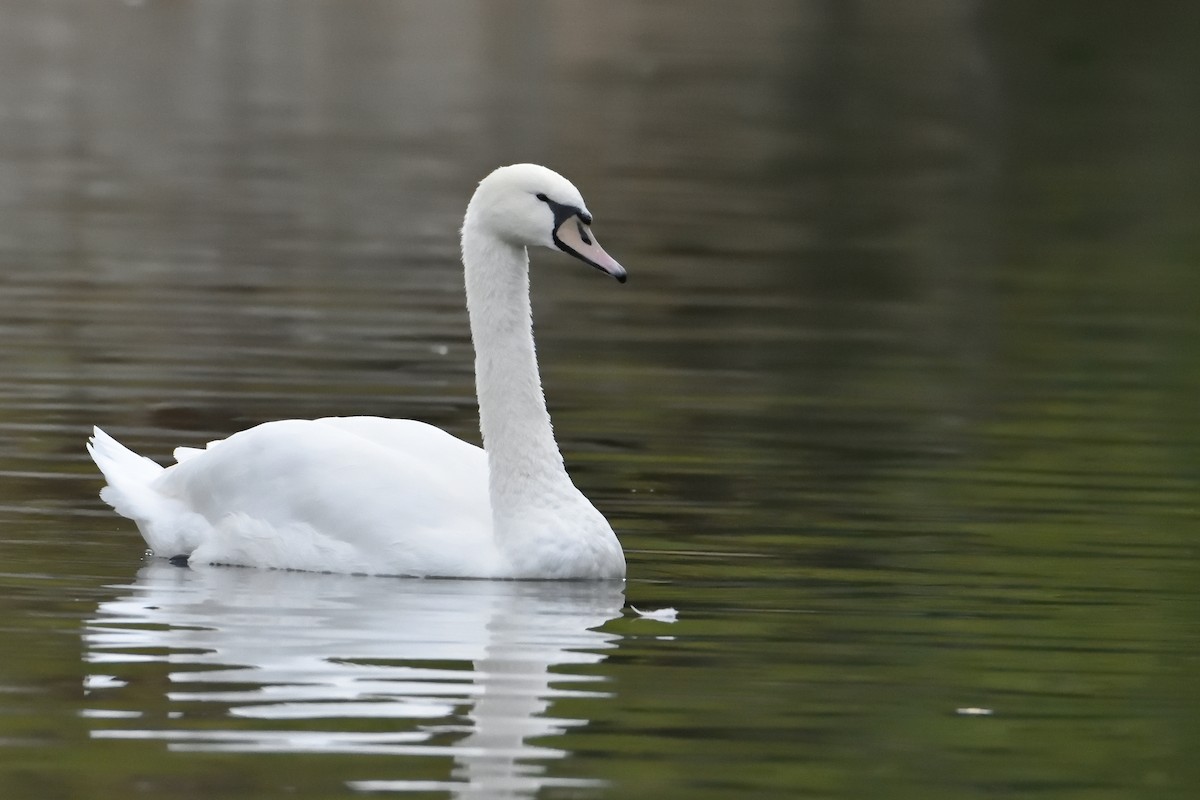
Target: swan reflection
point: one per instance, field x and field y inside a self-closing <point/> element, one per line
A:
<point x="438" y="658"/>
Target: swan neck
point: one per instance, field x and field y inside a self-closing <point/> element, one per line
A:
<point x="523" y="457"/>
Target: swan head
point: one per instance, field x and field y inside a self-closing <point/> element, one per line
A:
<point x="532" y="206"/>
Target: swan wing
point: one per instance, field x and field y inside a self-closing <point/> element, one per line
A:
<point x="353" y="494"/>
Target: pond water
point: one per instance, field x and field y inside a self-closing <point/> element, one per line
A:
<point x="898" y="408"/>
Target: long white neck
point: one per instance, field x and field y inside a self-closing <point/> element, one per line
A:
<point x="524" y="463"/>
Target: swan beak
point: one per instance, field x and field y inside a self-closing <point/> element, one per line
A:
<point x="575" y="238"/>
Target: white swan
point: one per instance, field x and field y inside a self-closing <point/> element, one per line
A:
<point x="398" y="497"/>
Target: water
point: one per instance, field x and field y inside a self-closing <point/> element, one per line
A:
<point x="897" y="408"/>
<point x="356" y="649"/>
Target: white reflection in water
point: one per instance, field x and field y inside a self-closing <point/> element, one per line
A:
<point x="439" y="658"/>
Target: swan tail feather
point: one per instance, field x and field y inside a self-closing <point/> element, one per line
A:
<point x="169" y="528"/>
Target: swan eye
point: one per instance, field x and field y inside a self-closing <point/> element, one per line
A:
<point x="563" y="212"/>
<point x="583" y="232"/>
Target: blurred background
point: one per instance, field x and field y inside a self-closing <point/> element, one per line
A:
<point x="898" y="406"/>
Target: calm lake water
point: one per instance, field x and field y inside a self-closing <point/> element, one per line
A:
<point x="898" y="408"/>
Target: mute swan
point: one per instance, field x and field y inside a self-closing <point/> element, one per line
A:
<point x="398" y="497"/>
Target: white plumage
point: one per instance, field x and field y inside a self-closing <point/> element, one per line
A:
<point x="399" y="497"/>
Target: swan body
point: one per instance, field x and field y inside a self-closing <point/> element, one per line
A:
<point x="400" y="497"/>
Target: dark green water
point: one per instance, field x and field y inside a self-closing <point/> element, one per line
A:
<point x="898" y="409"/>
